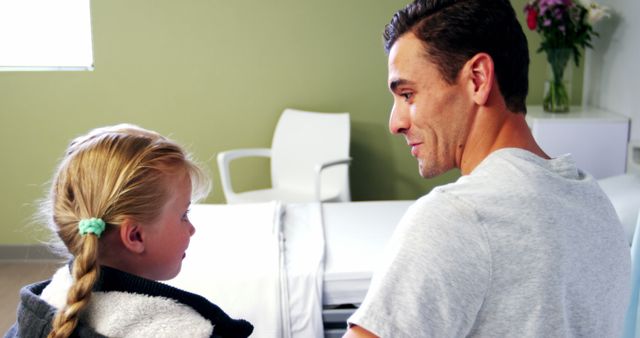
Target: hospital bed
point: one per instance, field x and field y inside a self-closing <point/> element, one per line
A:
<point x="355" y="235"/>
<point x="293" y="270"/>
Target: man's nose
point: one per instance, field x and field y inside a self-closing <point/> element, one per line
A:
<point x="398" y="120"/>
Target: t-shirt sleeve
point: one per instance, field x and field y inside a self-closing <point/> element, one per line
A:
<point x="436" y="273"/>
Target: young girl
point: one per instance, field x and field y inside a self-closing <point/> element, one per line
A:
<point x="119" y="202"/>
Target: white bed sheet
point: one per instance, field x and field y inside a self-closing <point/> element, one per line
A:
<point x="240" y="259"/>
<point x="355" y="234"/>
<point x="304" y="255"/>
<point x="234" y="261"/>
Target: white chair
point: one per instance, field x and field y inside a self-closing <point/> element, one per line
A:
<point x="309" y="160"/>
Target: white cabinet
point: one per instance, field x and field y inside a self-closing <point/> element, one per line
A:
<point x="597" y="139"/>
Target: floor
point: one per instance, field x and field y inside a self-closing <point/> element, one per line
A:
<point x="14" y="275"/>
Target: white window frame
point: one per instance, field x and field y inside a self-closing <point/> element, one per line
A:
<point x="40" y="35"/>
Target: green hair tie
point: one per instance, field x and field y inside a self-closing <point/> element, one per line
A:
<point x="91" y="225"/>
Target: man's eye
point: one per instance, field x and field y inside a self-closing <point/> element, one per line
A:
<point x="406" y="96"/>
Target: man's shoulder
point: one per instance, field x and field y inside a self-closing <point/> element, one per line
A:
<point x="504" y="170"/>
<point x="447" y="204"/>
<point x="500" y="178"/>
<point x="463" y="193"/>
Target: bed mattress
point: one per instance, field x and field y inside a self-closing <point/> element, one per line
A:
<point x="355" y="236"/>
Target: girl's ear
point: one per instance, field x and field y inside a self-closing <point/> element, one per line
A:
<point x="131" y="235"/>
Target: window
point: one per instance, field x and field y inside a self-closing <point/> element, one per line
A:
<point x="45" y="35"/>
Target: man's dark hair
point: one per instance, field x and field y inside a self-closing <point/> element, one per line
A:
<point x="455" y="30"/>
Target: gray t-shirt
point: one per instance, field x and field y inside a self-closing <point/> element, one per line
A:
<point x="521" y="247"/>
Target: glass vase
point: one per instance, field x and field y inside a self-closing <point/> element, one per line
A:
<point x="557" y="87"/>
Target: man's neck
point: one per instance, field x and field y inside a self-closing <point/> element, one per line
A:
<point x="495" y="129"/>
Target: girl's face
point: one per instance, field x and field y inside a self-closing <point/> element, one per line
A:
<point x="167" y="237"/>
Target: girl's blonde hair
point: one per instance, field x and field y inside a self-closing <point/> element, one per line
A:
<point x="111" y="173"/>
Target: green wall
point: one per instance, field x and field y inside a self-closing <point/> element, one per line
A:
<point x="214" y="75"/>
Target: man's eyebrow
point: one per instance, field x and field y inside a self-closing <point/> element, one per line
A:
<point x="393" y="85"/>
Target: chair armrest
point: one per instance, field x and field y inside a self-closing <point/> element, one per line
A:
<point x="225" y="157"/>
<point x="321" y="166"/>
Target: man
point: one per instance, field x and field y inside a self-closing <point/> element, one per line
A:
<point x="522" y="245"/>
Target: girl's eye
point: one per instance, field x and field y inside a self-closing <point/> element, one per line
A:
<point x="185" y="216"/>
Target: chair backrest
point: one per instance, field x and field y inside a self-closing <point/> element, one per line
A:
<point x="304" y="139"/>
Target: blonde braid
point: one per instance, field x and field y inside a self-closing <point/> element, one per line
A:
<point x="85" y="274"/>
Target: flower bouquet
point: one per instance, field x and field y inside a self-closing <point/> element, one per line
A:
<point x="566" y="27"/>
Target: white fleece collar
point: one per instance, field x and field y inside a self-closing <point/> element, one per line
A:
<point x="123" y="314"/>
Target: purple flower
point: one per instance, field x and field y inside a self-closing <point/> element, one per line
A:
<point x="563" y="23"/>
<point x="543" y="9"/>
<point x="550" y="3"/>
<point x="555" y="5"/>
<point x="557" y="13"/>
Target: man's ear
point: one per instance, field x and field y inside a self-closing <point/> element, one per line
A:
<point x="131" y="235"/>
<point x="481" y="77"/>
